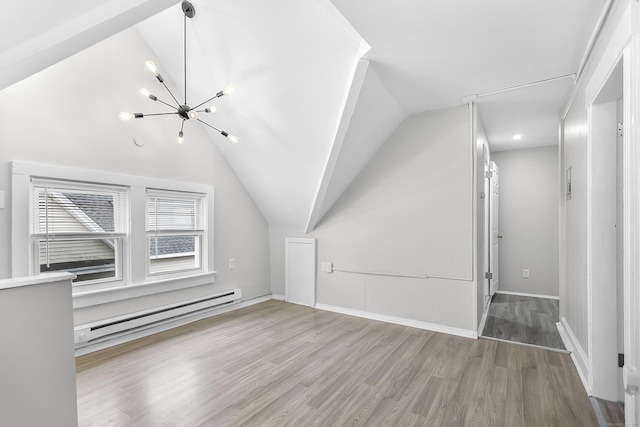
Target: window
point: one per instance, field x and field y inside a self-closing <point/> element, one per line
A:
<point x="129" y="236"/>
<point x="175" y="230"/>
<point x="79" y="228"/>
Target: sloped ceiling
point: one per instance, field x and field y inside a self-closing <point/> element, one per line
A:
<point x="292" y="63"/>
<point x="433" y="55"/>
<point x="37" y="34"/>
<point x="321" y="84"/>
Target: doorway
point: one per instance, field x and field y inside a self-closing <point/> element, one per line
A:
<point x="300" y="271"/>
<point x="494" y="228"/>
<point x="605" y="233"/>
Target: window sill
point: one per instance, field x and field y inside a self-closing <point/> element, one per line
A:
<point x="105" y="296"/>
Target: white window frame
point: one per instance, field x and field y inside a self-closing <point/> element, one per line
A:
<point x="198" y="230"/>
<point x="120" y="236"/>
<point x="136" y="283"/>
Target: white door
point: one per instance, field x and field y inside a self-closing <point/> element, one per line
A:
<point x="300" y="271"/>
<point x="494" y="251"/>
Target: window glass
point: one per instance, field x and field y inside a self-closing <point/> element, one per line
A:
<point x="174" y="231"/>
<point x="78" y="228"/>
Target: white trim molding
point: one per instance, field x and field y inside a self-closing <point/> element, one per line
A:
<point x="578" y="355"/>
<point x="467" y="333"/>
<point x="522" y="294"/>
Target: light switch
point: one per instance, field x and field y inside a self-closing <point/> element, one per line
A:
<point x="525" y="273"/>
<point x="232" y="263"/>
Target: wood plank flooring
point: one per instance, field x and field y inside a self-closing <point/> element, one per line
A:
<point x="280" y="364"/>
<point x="613" y="412"/>
<point x="524" y="319"/>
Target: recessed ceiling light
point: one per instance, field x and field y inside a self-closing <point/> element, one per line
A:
<point x="517" y="137"/>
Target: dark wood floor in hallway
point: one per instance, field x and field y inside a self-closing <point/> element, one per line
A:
<point x="279" y="364"/>
<point x="524" y="319"/>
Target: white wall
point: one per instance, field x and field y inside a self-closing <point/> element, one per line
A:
<point x="409" y="211"/>
<point x="66" y="115"/>
<point x="574" y="301"/>
<point x="38" y="369"/>
<point x="529" y="219"/>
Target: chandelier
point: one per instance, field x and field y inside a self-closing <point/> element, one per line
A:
<point x="182" y="110"/>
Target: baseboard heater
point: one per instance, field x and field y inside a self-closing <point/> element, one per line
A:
<point x="109" y="328"/>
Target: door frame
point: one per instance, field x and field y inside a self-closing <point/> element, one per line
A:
<point x="602" y="256"/>
<point x="623" y="46"/>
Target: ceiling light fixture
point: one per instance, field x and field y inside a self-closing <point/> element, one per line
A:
<point x="517" y="137"/>
<point x="183" y="111"/>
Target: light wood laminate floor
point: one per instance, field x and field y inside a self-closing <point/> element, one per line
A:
<point x="276" y="364"/>
<point x="524" y="319"/>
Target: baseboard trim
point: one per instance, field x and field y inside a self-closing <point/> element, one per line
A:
<point x="277" y="297"/>
<point x="525" y="344"/>
<point x="522" y="294"/>
<point x="578" y="355"/>
<point x="126" y="337"/>
<point x="483" y="320"/>
<point x="467" y="333"/>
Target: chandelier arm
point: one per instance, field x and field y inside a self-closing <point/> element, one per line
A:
<point x="170" y="93"/>
<point x="212" y="127"/>
<point x="167" y="104"/>
<point x="217" y="95"/>
<point x="158" y="114"/>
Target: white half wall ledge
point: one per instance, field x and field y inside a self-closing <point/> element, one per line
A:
<point x="434" y="327"/>
<point x="18" y="282"/>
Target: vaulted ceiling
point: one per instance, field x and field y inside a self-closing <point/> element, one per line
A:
<point x="321" y="84"/>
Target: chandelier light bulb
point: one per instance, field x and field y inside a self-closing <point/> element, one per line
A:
<point x="145" y="92"/>
<point x="151" y="67"/>
<point x="124" y="116"/>
<point x="234" y="139"/>
<point x="211" y="109"/>
<point x="229" y="90"/>
<point x="193" y="114"/>
<point x="180" y="137"/>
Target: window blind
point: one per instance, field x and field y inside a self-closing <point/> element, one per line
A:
<point x="175" y="229"/>
<point x="60" y="209"/>
<point x="166" y="213"/>
<point x="78" y="227"/>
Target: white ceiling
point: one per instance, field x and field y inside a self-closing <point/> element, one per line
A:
<point x="309" y="113"/>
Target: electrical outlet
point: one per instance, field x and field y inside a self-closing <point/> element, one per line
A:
<point x="232" y="263"/>
<point x="525" y="273"/>
<point x="327" y="267"/>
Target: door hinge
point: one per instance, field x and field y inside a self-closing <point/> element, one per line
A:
<point x="488" y="275"/>
<point x="620" y="129"/>
<point x="488" y="174"/>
